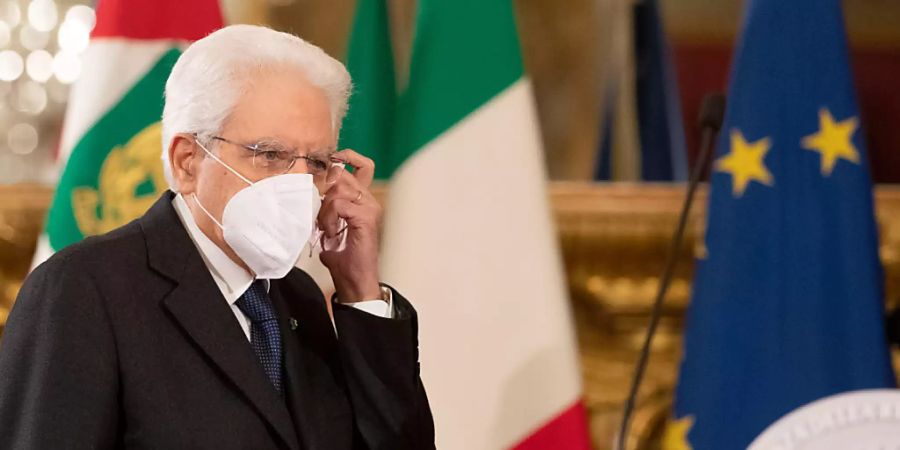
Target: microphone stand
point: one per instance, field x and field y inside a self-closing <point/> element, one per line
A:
<point x="711" y="114"/>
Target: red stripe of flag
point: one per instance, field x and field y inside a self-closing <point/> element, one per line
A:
<point x="187" y="20"/>
<point x="566" y="431"/>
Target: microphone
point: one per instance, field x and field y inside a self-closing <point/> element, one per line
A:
<point x="712" y="112"/>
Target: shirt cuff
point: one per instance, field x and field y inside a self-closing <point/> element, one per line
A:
<point x="381" y="307"/>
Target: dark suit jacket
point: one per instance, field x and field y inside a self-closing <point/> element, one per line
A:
<point x="124" y="340"/>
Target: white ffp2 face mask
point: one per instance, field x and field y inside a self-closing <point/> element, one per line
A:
<point x="268" y="223"/>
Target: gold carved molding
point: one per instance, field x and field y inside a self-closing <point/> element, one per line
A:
<point x="614" y="239"/>
<point x="22" y="211"/>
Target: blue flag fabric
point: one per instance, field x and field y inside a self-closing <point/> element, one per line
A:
<point x="660" y="125"/>
<point x="788" y="304"/>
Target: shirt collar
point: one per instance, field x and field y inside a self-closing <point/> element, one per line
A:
<point x="232" y="279"/>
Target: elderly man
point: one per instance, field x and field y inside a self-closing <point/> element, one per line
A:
<point x="190" y="327"/>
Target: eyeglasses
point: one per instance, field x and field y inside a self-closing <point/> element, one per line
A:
<point x="273" y="158"/>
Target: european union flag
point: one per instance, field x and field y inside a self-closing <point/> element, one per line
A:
<point x="787" y="303"/>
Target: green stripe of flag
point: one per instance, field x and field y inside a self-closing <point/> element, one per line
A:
<point x="465" y="52"/>
<point x="368" y="125"/>
<point x="140" y="107"/>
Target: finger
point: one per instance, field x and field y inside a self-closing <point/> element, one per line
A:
<point x="328" y="219"/>
<point x="364" y="168"/>
<point x="330" y="258"/>
<point x="327" y="259"/>
<point x="349" y="188"/>
<point x="356" y="216"/>
<point x="344" y="187"/>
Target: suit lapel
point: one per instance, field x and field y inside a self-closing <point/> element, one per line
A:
<point x="199" y="308"/>
<point x="319" y="408"/>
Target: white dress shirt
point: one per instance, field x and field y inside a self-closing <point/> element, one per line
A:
<point x="233" y="280"/>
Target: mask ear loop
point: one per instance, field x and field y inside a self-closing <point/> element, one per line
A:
<point x="194" y="195"/>
<point x="318" y="239"/>
<point x="197" y="201"/>
<point x="235" y="172"/>
<point x="314" y="241"/>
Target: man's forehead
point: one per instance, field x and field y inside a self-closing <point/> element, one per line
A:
<point x="292" y="123"/>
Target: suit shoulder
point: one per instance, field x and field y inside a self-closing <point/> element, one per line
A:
<point x="109" y="250"/>
<point x="64" y="283"/>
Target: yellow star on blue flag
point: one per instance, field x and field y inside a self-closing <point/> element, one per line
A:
<point x="833" y="141"/>
<point x="675" y="436"/>
<point x="745" y="162"/>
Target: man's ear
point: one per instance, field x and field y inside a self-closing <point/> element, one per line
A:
<point x="183" y="156"/>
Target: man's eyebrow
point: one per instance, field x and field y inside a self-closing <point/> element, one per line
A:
<point x="263" y="142"/>
<point x="319" y="150"/>
<point x="310" y="149"/>
<point x="270" y="140"/>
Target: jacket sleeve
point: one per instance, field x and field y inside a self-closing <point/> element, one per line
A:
<point x="381" y="366"/>
<point x="58" y="376"/>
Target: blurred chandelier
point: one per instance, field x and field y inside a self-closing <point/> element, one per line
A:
<point x="41" y="48"/>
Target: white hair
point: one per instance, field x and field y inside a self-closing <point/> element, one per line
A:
<point x="213" y="72"/>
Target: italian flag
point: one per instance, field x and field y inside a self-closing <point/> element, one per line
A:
<point x="110" y="147"/>
<point x="370" y="61"/>
<point x="468" y="235"/>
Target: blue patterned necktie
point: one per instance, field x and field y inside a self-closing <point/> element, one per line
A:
<point x="265" y="337"/>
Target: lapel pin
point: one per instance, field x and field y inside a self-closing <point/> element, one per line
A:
<point x="293" y="324"/>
